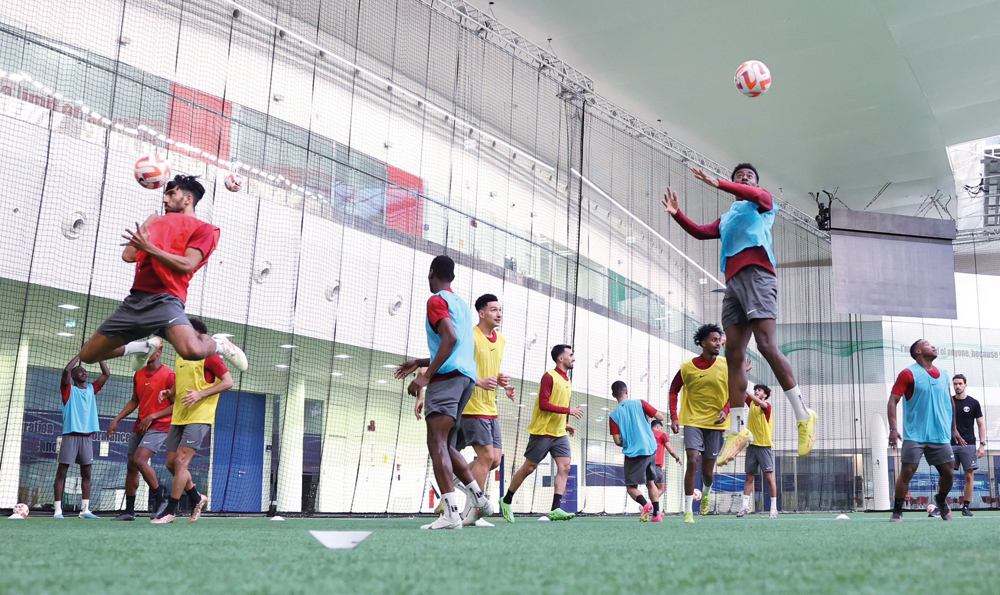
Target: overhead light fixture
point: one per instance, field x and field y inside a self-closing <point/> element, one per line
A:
<point x="583" y="404"/>
<point x="604" y="408"/>
<point x="69" y="307"/>
<point x="64" y="334"/>
<point x="342" y="356"/>
<point x="532" y="394"/>
<point x="390" y="366"/>
<point x="282" y="366"/>
<point x="520" y="405"/>
<point x="381" y="381"/>
<point x="287" y="346"/>
<point x="335" y="374"/>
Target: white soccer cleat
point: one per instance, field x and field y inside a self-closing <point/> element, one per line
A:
<point x="443" y="522"/>
<point x="773" y="515"/>
<point x="743" y="512"/>
<point x="139" y="359"/>
<point x="231" y="353"/>
<point x="483" y="523"/>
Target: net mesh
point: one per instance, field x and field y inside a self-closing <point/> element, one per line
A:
<point x="373" y="136"/>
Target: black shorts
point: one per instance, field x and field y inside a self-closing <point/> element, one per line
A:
<point x="143" y="314"/>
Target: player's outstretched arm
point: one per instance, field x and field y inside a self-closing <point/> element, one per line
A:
<point x="705" y="178"/>
<point x="105" y="374"/>
<point x="67" y="376"/>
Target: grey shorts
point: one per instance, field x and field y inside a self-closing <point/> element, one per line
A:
<point x="188" y="436"/>
<point x="539" y="446"/>
<point x="658" y="473"/>
<point x="151" y="440"/>
<point x="143" y="314"/>
<point x="478" y="431"/>
<point x="936" y="454"/>
<point x="76" y="448"/>
<point x="639" y="470"/>
<point x="752" y="293"/>
<point x="759" y="458"/>
<point x="707" y="442"/>
<point x="966" y="457"/>
<point x="448" y="397"/>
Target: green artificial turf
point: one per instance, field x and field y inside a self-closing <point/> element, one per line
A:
<point x="718" y="554"/>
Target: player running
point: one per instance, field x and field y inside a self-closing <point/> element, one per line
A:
<point x="928" y="426"/>
<point x="704" y="413"/>
<point x="80" y="423"/>
<point x="449" y="377"/>
<point x="750" y="306"/>
<point x="662" y="447"/>
<point x="968" y="414"/>
<point x="195" y="396"/>
<point x="630" y="431"/>
<point x="149" y="432"/>
<point x="760" y="423"/>
<point x="167" y="250"/>
<point x="548" y="433"/>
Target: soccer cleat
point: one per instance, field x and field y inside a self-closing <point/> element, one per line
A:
<point x="743" y="512"/>
<point x="196" y="511"/>
<point x="656" y="519"/>
<point x="704" y="504"/>
<point x="897" y="517"/>
<point x="943" y="509"/>
<point x="966" y="512"/>
<point x="443" y="522"/>
<point x="807" y="434"/>
<point x="508" y="514"/>
<point x="231" y="353"/>
<point x="482" y="523"/>
<point x="647" y="510"/>
<point x="688" y="517"/>
<point x="139" y="359"/>
<point x="86" y="514"/>
<point x="773" y="515"/>
<point x="481" y="512"/>
<point x="934" y="513"/>
<point x="439" y="509"/>
<point x="560" y="515"/>
<point x="125" y="516"/>
<point x="58" y="517"/>
<point x="735" y="444"/>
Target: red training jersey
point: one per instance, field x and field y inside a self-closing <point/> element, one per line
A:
<point x="148" y="386"/>
<point x="903" y="386"/>
<point x="174" y="233"/>
<point x="662" y="440"/>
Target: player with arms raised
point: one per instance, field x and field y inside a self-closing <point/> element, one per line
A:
<point x="167" y="250"/>
<point x="750" y="306"/>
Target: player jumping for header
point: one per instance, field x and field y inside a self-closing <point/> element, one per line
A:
<point x="750" y="306"/>
<point x="167" y="250"/>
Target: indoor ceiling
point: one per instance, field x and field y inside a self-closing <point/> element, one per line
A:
<point x="865" y="91"/>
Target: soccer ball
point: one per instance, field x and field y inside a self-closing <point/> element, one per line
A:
<point x="21" y="510"/>
<point x="234" y="182"/>
<point x="697" y="495"/>
<point x="931" y="508"/>
<point x="753" y="78"/>
<point x="152" y="171"/>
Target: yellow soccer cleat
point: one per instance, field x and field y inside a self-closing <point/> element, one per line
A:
<point x="735" y="444"/>
<point x="689" y="517"/>
<point x="807" y="434"/>
<point x="704" y="503"/>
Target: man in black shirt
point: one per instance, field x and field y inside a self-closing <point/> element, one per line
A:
<point x="968" y="413"/>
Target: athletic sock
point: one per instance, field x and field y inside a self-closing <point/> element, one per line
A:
<point x="965" y="505"/>
<point x="706" y="488"/>
<point x="129" y="504"/>
<point x="746" y="502"/>
<point x="450" y="507"/>
<point x="58" y="508"/>
<point x="556" y="501"/>
<point x="193" y="496"/>
<point x="897" y="505"/>
<point x="794" y="396"/>
<point x="656" y="508"/>
<point x="136" y="348"/>
<point x="476" y="494"/>
<point x="85" y="505"/>
<point x="508" y="497"/>
<point x="774" y="504"/>
<point x="641" y="500"/>
<point x="688" y="503"/>
<point x="171" y="507"/>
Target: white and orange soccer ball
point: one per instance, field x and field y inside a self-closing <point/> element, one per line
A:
<point x="22" y="510"/>
<point x="234" y="182"/>
<point x="753" y="78"/>
<point x="152" y="171"/>
<point x="697" y="495"/>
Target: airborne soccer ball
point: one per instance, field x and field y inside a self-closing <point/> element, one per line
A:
<point x="152" y="171"/>
<point x="234" y="182"/>
<point x="753" y="78"/>
<point x="21" y="510"/>
<point x="697" y="495"/>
